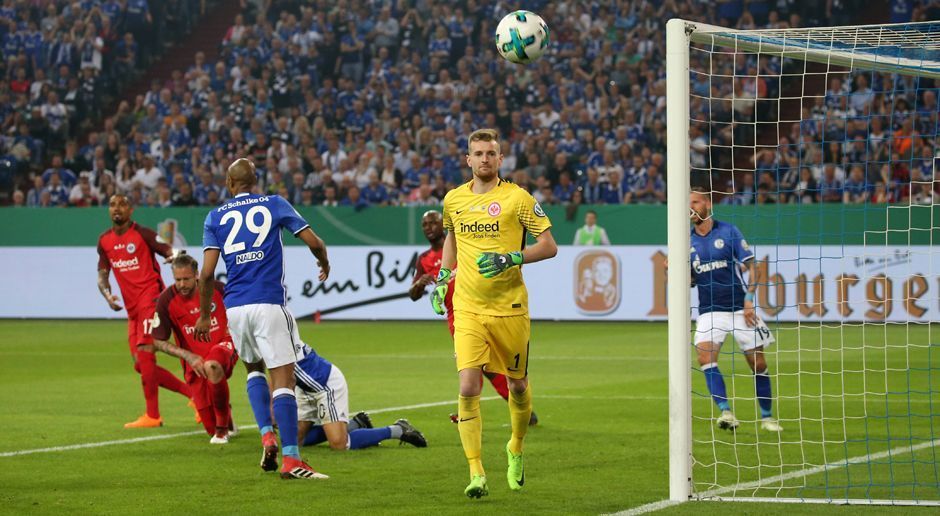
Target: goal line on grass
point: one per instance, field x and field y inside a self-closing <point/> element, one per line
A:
<point x="716" y="494"/>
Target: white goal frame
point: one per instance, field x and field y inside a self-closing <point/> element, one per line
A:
<point x="872" y="47"/>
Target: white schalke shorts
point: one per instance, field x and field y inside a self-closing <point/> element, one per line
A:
<point x="329" y="405"/>
<point x="264" y="332"/>
<point x="715" y="327"/>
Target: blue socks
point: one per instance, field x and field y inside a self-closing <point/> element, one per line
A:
<point x="358" y="438"/>
<point x="285" y="413"/>
<point x="259" y="397"/>
<point x="716" y="385"/>
<point x="764" y="396"/>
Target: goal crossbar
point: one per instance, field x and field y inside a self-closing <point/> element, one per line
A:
<point x="909" y="48"/>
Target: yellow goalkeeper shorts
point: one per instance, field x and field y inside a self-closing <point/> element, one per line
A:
<point x="500" y="343"/>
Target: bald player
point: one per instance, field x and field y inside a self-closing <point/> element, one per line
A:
<point x="246" y="233"/>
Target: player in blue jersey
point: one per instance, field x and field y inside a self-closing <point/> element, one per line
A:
<point x="246" y="232"/>
<point x="726" y="306"/>
<point x="323" y="408"/>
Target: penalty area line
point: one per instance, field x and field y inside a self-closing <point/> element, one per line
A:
<point x="134" y="440"/>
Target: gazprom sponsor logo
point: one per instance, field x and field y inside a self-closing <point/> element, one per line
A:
<point x="250" y="256"/>
<point x="709" y="266"/>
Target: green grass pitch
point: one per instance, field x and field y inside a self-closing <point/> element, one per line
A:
<point x="601" y="446"/>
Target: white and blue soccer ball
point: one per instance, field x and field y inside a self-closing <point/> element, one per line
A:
<point x="522" y="37"/>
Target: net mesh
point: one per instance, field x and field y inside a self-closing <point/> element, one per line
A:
<point x="821" y="146"/>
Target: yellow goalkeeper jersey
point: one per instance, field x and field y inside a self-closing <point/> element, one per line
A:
<point x="497" y="222"/>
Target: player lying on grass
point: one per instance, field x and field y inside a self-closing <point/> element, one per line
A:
<point x="207" y="365"/>
<point x="426" y="270"/>
<point x="323" y="408"/>
<point x="726" y="306"/>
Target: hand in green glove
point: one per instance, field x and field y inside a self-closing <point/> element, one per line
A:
<point x="440" y="291"/>
<point x="493" y="264"/>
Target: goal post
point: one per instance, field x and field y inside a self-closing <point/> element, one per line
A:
<point x="846" y="276"/>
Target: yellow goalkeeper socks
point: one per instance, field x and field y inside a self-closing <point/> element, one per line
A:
<point x="470" y="426"/>
<point x="520" y="410"/>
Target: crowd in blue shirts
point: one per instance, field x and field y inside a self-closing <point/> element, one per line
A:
<point x="370" y="102"/>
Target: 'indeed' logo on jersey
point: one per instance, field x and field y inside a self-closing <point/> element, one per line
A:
<point x="250" y="256"/>
<point x="213" y="325"/>
<point x="125" y="264"/>
<point x="480" y="227"/>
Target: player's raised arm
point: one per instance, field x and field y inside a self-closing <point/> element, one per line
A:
<point x="318" y="248"/>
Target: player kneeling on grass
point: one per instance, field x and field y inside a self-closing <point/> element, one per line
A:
<point x="323" y="408"/>
<point x="207" y="365"/>
<point x="726" y="305"/>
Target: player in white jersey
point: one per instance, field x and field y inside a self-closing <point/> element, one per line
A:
<point x="726" y="306"/>
<point x="246" y="232"/>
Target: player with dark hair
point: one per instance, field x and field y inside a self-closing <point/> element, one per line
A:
<point x="726" y="306"/>
<point x="128" y="249"/>
<point x="426" y="270"/>
<point x="487" y="221"/>
<point x="246" y="233"/>
<point x="208" y="365"/>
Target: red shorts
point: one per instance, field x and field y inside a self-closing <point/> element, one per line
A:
<point x="139" y="326"/>
<point x="224" y="354"/>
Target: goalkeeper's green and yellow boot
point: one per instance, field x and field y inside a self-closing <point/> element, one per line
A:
<point x="477" y="487"/>
<point x="515" y="474"/>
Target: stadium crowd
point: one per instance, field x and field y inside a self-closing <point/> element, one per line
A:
<point x="370" y="102"/>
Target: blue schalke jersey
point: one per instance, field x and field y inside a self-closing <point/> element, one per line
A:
<point x="312" y="371"/>
<point x="716" y="258"/>
<point x="247" y="230"/>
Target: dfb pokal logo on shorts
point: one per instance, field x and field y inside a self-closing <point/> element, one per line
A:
<point x="494" y="209"/>
<point x="597" y="284"/>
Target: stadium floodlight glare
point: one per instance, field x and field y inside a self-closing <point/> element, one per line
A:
<point x="792" y="117"/>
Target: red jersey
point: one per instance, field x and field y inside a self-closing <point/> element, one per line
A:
<point x="131" y="257"/>
<point x="180" y="314"/>
<point x="429" y="262"/>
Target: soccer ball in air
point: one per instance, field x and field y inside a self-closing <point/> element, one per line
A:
<point x="521" y="37"/>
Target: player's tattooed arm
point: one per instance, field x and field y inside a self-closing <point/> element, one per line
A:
<point x="195" y="361"/>
<point x="104" y="286"/>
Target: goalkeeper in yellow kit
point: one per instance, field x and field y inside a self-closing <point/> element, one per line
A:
<point x="487" y="221"/>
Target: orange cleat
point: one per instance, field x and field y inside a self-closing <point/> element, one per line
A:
<point x="192" y="405"/>
<point x="294" y="468"/>
<point x="145" y="421"/>
<point x="269" y="453"/>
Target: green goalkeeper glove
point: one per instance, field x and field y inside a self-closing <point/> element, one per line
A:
<point x="493" y="264"/>
<point x="440" y="290"/>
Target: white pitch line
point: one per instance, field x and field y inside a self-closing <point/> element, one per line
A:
<point x="195" y="432"/>
<point x="769" y="481"/>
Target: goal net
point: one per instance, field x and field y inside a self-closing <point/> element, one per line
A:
<point x="821" y="146"/>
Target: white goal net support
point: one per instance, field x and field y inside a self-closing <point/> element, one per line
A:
<point x="821" y="145"/>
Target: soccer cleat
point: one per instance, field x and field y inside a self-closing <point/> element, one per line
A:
<point x="770" y="424"/>
<point x="454" y="419"/>
<point x="477" y="487"/>
<point x="220" y="437"/>
<point x="727" y="421"/>
<point x="192" y="405"/>
<point x="533" y="419"/>
<point x="515" y="474"/>
<point x="232" y="427"/>
<point x="269" y="452"/>
<point x="296" y="468"/>
<point x="411" y="435"/>
<point x="363" y="420"/>
<point x="145" y="421"/>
